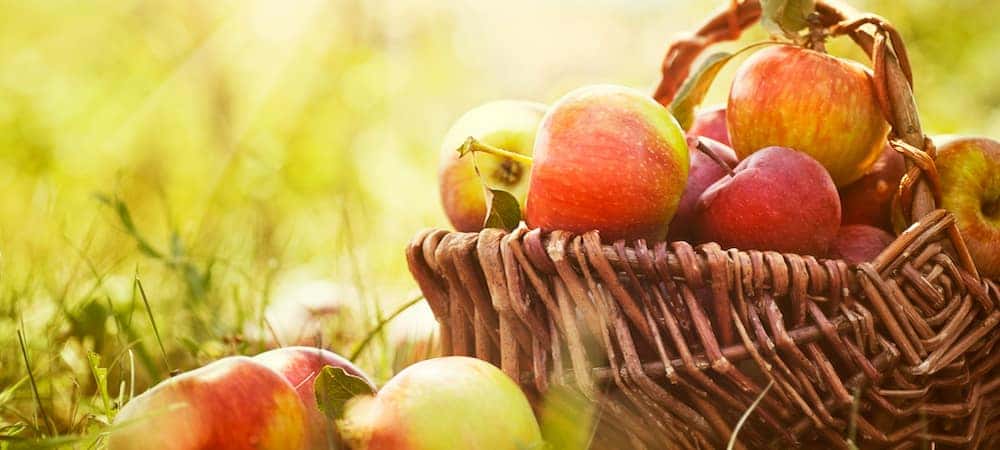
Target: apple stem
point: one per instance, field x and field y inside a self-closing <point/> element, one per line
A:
<point x="715" y="157"/>
<point x="473" y="145"/>
<point x="816" y="39"/>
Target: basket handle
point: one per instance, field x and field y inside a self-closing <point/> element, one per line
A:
<point x="919" y="192"/>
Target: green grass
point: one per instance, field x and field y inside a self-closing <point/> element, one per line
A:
<point x="170" y="169"/>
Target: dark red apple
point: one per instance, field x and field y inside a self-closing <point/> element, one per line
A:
<point x="812" y="102"/>
<point x="607" y="158"/>
<point x="703" y="173"/>
<point x="868" y="201"/>
<point x="779" y="199"/>
<point x="300" y="366"/>
<point x="856" y="244"/>
<point x="970" y="189"/>
<point x="710" y="123"/>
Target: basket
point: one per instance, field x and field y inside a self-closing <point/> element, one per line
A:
<point x="674" y="343"/>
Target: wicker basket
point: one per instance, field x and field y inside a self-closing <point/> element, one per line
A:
<point x="674" y="343"/>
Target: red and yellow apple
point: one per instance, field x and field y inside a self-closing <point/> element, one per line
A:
<point x="442" y="404"/>
<point x="970" y="189"/>
<point x="234" y="403"/>
<point x="779" y="199"/>
<point x="507" y="124"/>
<point x="704" y="172"/>
<point x="710" y="123"/>
<point x="859" y="243"/>
<point x="868" y="201"/>
<point x="607" y="158"/>
<point x="300" y="366"/>
<point x="812" y="102"/>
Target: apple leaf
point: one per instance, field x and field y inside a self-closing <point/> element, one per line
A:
<point x="786" y="17"/>
<point x="696" y="86"/>
<point x="567" y="419"/>
<point x="502" y="210"/>
<point x="334" y="387"/>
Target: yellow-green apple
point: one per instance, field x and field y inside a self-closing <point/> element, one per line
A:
<point x="868" y="201"/>
<point x="970" y="189"/>
<point x="234" y="403"/>
<point x="859" y="243"/>
<point x="507" y="124"/>
<point x="300" y="366"/>
<point x="779" y="199"/>
<point x="607" y="158"/>
<point x="710" y="123"/>
<point x="446" y="403"/>
<point x="810" y="101"/>
<point x="704" y="172"/>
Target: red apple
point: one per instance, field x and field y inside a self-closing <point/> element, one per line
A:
<point x="234" y="403"/>
<point x="508" y="124"/>
<point x="868" y="201"/>
<point x="970" y="189"/>
<point x="611" y="159"/>
<point x="704" y="172"/>
<point x="710" y="123"/>
<point x="446" y="403"/>
<point x="300" y="366"/>
<point x="809" y="101"/>
<point x="779" y="199"/>
<point x="856" y="244"/>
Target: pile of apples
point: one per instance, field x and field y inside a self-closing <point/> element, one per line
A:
<point x="797" y="161"/>
<point x="269" y="402"/>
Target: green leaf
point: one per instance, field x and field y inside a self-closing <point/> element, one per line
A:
<point x="502" y="210"/>
<point x="567" y="419"/>
<point x="334" y="388"/>
<point x="696" y="86"/>
<point x="786" y="17"/>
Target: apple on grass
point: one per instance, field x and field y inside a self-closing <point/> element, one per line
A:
<point x="705" y="171"/>
<point x="857" y="243"/>
<point x="507" y="124"/>
<point x="300" y="366"/>
<point x="778" y="199"/>
<point x="445" y="403"/>
<point x="970" y="189"/>
<point x="812" y="102"/>
<point x="234" y="403"/>
<point x="607" y="158"/>
<point x="868" y="201"/>
<point x="710" y="123"/>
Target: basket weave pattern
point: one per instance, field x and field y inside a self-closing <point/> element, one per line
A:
<point x="675" y="342"/>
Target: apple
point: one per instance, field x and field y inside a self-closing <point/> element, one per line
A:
<point x="703" y="173"/>
<point x="868" y="201"/>
<point x="857" y="243"/>
<point x="446" y="403"/>
<point x="507" y="124"/>
<point x="607" y="158"/>
<point x="970" y="189"/>
<point x="809" y="101"/>
<point x="778" y="199"/>
<point x="710" y="123"/>
<point x="414" y="336"/>
<point x="300" y="366"/>
<point x="304" y="311"/>
<point x="234" y="403"/>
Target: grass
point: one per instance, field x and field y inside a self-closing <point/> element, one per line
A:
<point x="171" y="170"/>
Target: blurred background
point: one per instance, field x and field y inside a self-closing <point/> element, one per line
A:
<point x="271" y="158"/>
